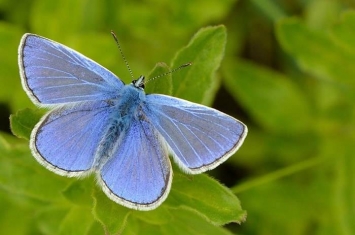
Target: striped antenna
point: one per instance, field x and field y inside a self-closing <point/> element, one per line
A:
<point x="123" y="57"/>
<point x="171" y="71"/>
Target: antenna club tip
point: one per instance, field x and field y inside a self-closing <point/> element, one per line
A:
<point x="187" y="64"/>
<point x="114" y="35"/>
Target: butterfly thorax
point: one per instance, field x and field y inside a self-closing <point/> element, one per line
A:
<point x="125" y="108"/>
<point x="129" y="99"/>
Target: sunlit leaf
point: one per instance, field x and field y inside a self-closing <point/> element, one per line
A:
<point x="23" y="122"/>
<point x="110" y="215"/>
<point x="205" y="51"/>
<point x="207" y="197"/>
<point x="161" y="84"/>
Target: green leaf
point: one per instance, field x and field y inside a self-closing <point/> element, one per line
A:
<point x="11" y="208"/>
<point x="158" y="216"/>
<point x="316" y="52"/>
<point x="205" y="196"/>
<point x="23" y="122"/>
<point x="96" y="228"/>
<point x="21" y="174"/>
<point x="134" y="226"/>
<point x="271" y="98"/>
<point x="160" y="85"/>
<point x="181" y="221"/>
<point x="198" y="83"/>
<point x="80" y="192"/>
<point x="112" y="216"/>
<point x="188" y="222"/>
<point x="49" y="218"/>
<point x="78" y="221"/>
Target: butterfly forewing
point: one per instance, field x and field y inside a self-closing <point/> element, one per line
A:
<point x="55" y="74"/>
<point x="200" y="137"/>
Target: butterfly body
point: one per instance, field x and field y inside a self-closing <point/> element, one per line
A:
<point x="97" y="124"/>
<point x="125" y="108"/>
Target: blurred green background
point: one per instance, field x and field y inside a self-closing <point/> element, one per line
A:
<point x="288" y="72"/>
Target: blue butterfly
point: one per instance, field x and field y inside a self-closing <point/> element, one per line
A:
<point x="98" y="124"/>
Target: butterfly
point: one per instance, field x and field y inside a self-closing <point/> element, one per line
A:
<point x="97" y="124"/>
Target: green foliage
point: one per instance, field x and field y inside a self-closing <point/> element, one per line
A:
<point x="160" y="85"/>
<point x="205" y="51"/>
<point x="316" y="51"/>
<point x="268" y="88"/>
<point x="62" y="203"/>
<point x="287" y="71"/>
<point x="23" y="122"/>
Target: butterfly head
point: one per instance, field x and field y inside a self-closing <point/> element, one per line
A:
<point x="139" y="83"/>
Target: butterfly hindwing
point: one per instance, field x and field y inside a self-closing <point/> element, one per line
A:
<point x="199" y="137"/>
<point x="66" y="139"/>
<point x="52" y="73"/>
<point x="138" y="174"/>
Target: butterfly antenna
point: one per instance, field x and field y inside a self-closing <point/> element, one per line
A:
<point x="123" y="57"/>
<point x="167" y="73"/>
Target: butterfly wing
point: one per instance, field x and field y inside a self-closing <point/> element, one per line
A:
<point x="138" y="175"/>
<point x="200" y="138"/>
<point x="65" y="141"/>
<point x="52" y="73"/>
